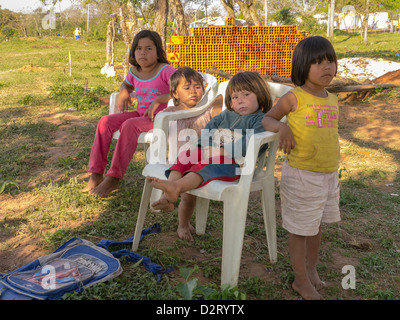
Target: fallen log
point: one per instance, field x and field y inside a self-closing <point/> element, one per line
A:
<point x="361" y="87"/>
<point x="338" y="85"/>
<point x="218" y="72"/>
<point x="227" y="75"/>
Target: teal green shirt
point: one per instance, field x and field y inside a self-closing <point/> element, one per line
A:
<point x="241" y="129"/>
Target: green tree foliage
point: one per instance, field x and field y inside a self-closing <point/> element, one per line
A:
<point x="7" y="32"/>
<point x="284" y="16"/>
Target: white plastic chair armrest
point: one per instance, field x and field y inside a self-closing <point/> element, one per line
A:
<point x="113" y="103"/>
<point x="253" y="148"/>
<point x="162" y="119"/>
<point x="211" y="89"/>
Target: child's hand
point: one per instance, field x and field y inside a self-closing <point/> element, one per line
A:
<point x="124" y="101"/>
<point x="164" y="98"/>
<point x="150" y="111"/>
<point x="286" y="139"/>
<point x="271" y="122"/>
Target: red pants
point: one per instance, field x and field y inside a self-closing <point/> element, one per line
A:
<point x="130" y="125"/>
<point x="216" y="168"/>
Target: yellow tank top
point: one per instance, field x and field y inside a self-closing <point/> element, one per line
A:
<point x="315" y="128"/>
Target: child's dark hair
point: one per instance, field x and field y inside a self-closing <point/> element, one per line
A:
<point x="249" y="81"/>
<point x="308" y="51"/>
<point x="155" y="37"/>
<point x="189" y="74"/>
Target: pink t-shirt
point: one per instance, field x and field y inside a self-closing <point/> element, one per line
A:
<point x="147" y="90"/>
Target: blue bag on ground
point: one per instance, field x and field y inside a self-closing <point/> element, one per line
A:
<point x="75" y="265"/>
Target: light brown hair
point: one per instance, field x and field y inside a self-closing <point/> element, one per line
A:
<point x="249" y="81"/>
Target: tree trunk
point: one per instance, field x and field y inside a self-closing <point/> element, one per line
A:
<point x="179" y="17"/>
<point x="38" y="30"/>
<point x="125" y="36"/>
<point x="366" y="15"/>
<point x="228" y="6"/>
<point x="253" y="14"/>
<point x="331" y="19"/>
<point x="265" y="12"/>
<point x="133" y="18"/>
<point x="249" y="12"/>
<point x="160" y="19"/>
<point x="110" y="41"/>
<point x="328" y="22"/>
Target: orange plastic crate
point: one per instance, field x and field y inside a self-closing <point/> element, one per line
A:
<point x="265" y="49"/>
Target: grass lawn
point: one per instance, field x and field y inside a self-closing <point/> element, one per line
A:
<point x="44" y="153"/>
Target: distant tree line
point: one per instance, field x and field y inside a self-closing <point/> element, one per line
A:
<point x="95" y="17"/>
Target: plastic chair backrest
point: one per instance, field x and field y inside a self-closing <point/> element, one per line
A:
<point x="221" y="91"/>
<point x="211" y="86"/>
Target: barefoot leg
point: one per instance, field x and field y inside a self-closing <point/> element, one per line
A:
<point x="94" y="180"/>
<point x="163" y="205"/>
<point x="312" y="247"/>
<point x="170" y="189"/>
<point x="302" y="283"/>
<point x="108" y="185"/>
<point x="185" y="212"/>
<point x="315" y="280"/>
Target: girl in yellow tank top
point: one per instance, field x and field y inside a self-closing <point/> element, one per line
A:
<point x="309" y="187"/>
<point x="314" y="124"/>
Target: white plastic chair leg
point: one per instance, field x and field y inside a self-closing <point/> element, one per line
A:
<point x="233" y="233"/>
<point x="202" y="205"/>
<point x="144" y="204"/>
<point x="268" y="205"/>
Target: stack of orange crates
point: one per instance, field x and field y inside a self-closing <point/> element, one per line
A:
<point x="266" y="49"/>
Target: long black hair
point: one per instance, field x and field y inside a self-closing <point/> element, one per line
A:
<point x="153" y="36"/>
<point x="308" y="51"/>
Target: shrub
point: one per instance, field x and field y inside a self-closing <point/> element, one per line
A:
<point x="74" y="96"/>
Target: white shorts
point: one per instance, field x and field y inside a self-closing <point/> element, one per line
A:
<point x="307" y="199"/>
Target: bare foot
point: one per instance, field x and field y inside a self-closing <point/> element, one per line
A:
<point x="185" y="233"/>
<point x="306" y="290"/>
<point x="108" y="185"/>
<point x="315" y="280"/>
<point x="163" y="205"/>
<point x="169" y="187"/>
<point x="94" y="180"/>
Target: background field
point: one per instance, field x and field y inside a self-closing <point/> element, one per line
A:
<point x="47" y="127"/>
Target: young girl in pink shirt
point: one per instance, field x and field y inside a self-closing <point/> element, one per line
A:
<point x="148" y="78"/>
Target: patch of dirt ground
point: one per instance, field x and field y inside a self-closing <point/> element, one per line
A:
<point x="22" y="249"/>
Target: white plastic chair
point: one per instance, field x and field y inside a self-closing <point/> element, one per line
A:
<point x="145" y="138"/>
<point x="234" y="195"/>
